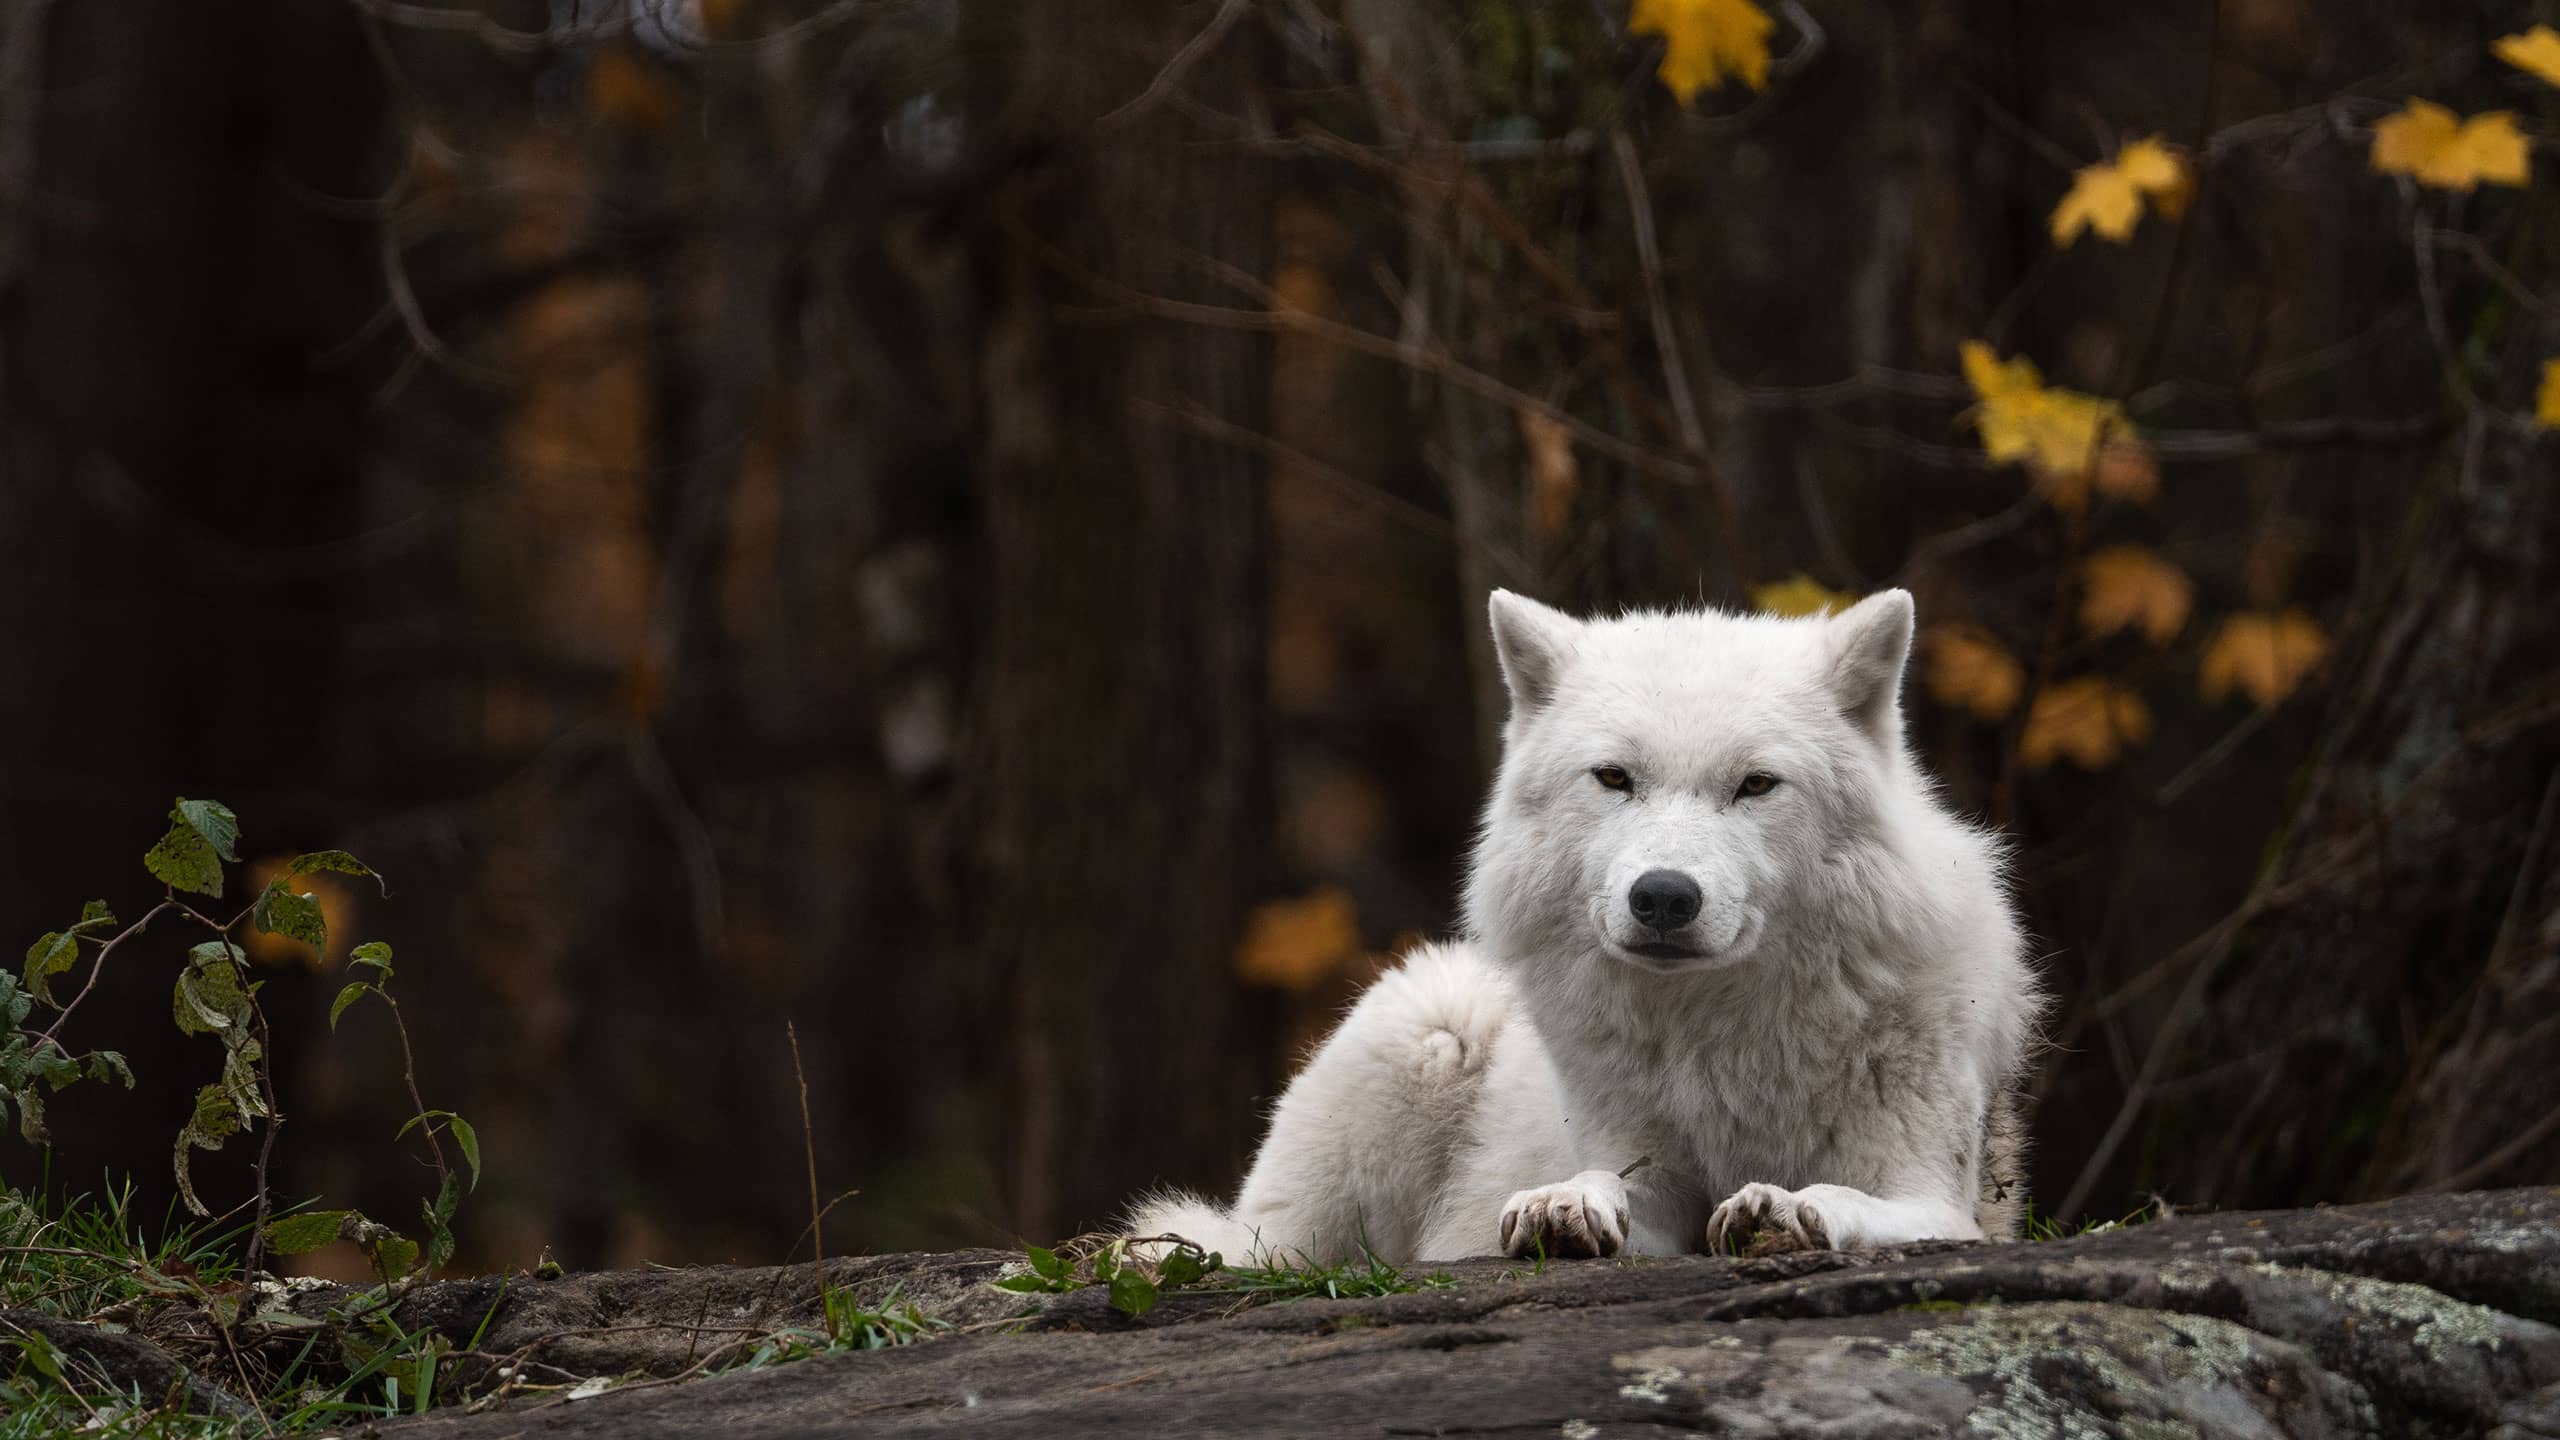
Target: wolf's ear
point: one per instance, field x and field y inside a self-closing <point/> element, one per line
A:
<point x="1869" y="643"/>
<point x="1533" y="642"/>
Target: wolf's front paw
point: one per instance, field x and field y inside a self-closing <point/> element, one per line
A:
<point x="1770" y="1219"/>
<point x="1584" y="1216"/>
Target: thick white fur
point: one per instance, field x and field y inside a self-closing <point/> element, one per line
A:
<point x="1834" y="1059"/>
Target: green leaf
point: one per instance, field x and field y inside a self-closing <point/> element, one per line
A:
<point x="1048" y="1262"/>
<point x="423" y="1117"/>
<point x="41" y="1354"/>
<point x="301" y="1234"/>
<point x="55" y="952"/>
<point x="337" y="862"/>
<point x="1026" y="1284"/>
<point x="240" y="1078"/>
<point x="94" y="916"/>
<point x="373" y="953"/>
<point x="439" y="1247"/>
<point x="14" y="1002"/>
<point x="201" y="836"/>
<point x="31" y="1119"/>
<point x="107" y="1064"/>
<point x="394" y="1256"/>
<point x="1180" y="1268"/>
<point x="280" y="911"/>
<point x="208" y="997"/>
<point x="55" y="1065"/>
<point x="213" y="1122"/>
<point x="214" y="821"/>
<point x="448" y="1199"/>
<point x="355" y="990"/>
<point x="469" y="1140"/>
<point x="1131" y="1293"/>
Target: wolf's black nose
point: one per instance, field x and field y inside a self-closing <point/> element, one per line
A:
<point x="1665" y="899"/>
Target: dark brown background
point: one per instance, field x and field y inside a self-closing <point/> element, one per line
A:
<point x="747" y="527"/>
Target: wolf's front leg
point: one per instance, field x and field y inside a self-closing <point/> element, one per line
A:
<point x="1588" y="1215"/>
<point x="1835" y="1217"/>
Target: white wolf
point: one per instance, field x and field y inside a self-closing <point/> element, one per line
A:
<point x="1729" y="967"/>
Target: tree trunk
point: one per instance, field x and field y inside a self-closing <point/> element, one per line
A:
<point x="1122" y="640"/>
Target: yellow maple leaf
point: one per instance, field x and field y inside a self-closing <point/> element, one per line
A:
<point x="2125" y="585"/>
<point x="1800" y="594"/>
<point x="2072" y="443"/>
<point x="1553" y="476"/>
<point x="2536" y="52"/>
<point x="1707" y="39"/>
<point x="2109" y="197"/>
<point x="2090" y="721"/>
<point x="1971" y="670"/>
<point x="2442" y="149"/>
<point x="2546" y="405"/>
<point x="1296" y="943"/>
<point x="1992" y="377"/>
<point x="2265" y="655"/>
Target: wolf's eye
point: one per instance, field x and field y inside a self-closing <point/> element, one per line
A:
<point x="1756" y="783"/>
<point x="1613" y="778"/>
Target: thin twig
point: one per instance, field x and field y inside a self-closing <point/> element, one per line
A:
<point x="1425" y="360"/>
<point x="409" y="1074"/>
<point x="2496" y="1160"/>
<point x="1666" y="344"/>
<point x="2422" y="247"/>
<point x="684" y="825"/>
<point x="809" y="1146"/>
<point x="100" y="963"/>
<point x="1171" y="75"/>
<point x="404" y="298"/>
<point x="266" y="1145"/>
<point x="2471" y="245"/>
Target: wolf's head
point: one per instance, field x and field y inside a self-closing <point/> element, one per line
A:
<point x="1680" y="790"/>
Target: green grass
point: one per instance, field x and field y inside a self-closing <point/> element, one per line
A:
<point x="2040" y="1227"/>
<point x="1369" y="1276"/>
<point x="90" y="1258"/>
<point x="48" y="1412"/>
<point x="850" y="1326"/>
<point x="113" y="1260"/>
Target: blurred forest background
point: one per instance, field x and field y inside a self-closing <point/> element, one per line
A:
<point x="964" y="525"/>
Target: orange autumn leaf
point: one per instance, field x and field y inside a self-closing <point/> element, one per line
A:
<point x="627" y="90"/>
<point x="2125" y="470"/>
<point x="2546" y="404"/>
<point x="1707" y="40"/>
<point x="1553" y="476"/>
<point x="1294" y="944"/>
<point x="1971" y="670"/>
<point x="719" y="17"/>
<point x="2442" y="149"/>
<point x="2536" y="52"/>
<point x="1800" y="594"/>
<point x="2109" y="197"/>
<point x="2090" y="721"/>
<point x="2263" y="655"/>
<point x="2127" y="585"/>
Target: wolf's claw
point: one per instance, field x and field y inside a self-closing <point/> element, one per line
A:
<point x="1768" y="1210"/>
<point x="1586" y="1216"/>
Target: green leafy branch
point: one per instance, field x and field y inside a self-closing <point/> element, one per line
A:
<point x="1133" y="1291"/>
<point x="214" y="996"/>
